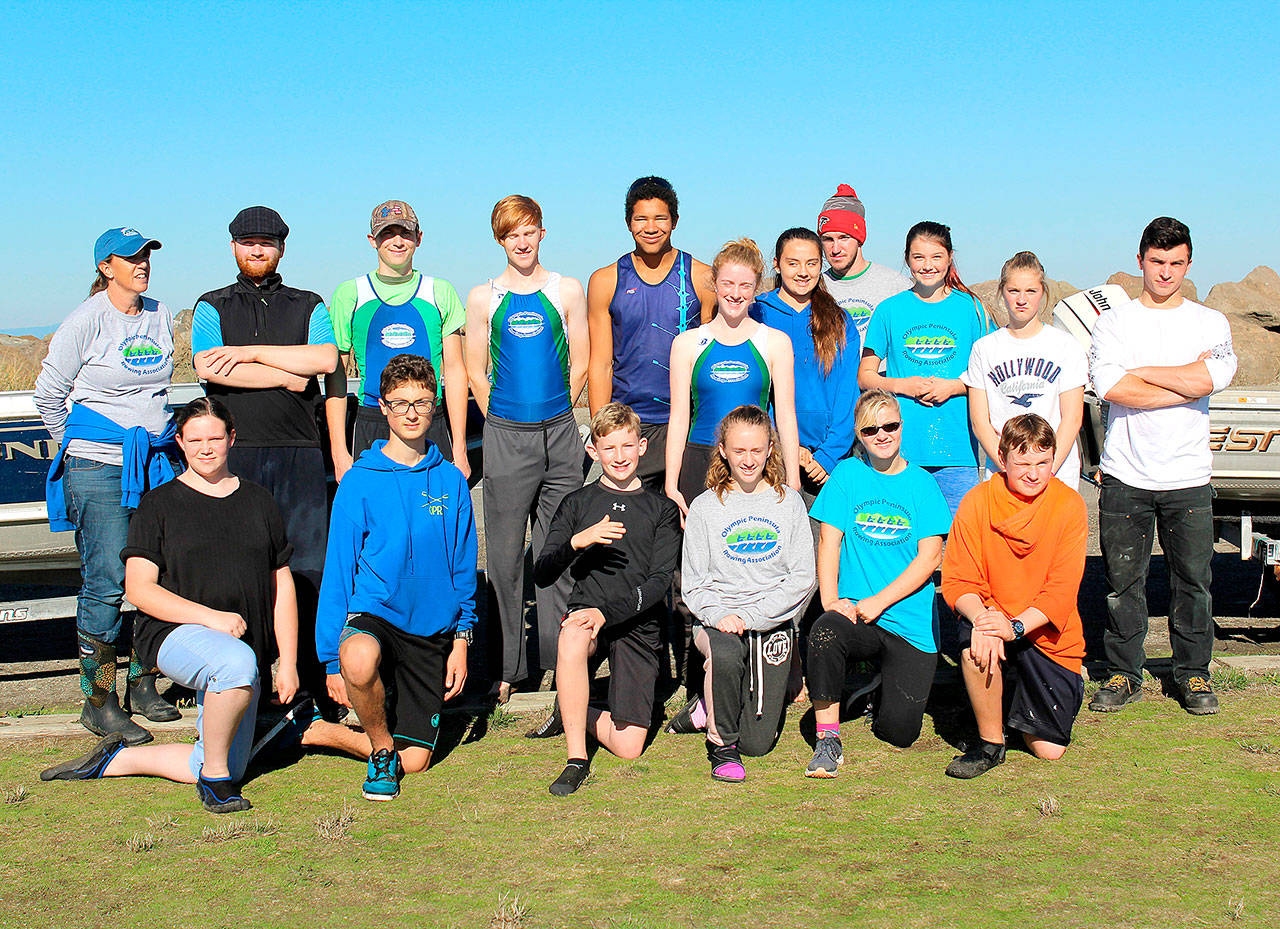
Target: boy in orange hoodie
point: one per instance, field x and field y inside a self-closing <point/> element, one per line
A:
<point x="1011" y="572"/>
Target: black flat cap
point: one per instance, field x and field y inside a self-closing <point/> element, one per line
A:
<point x="258" y="220"/>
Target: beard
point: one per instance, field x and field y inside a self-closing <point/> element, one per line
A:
<point x="257" y="270"/>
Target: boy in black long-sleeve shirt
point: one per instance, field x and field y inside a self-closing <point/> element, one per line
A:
<point x="620" y="543"/>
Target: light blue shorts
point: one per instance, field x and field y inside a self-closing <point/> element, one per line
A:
<point x="206" y="660"/>
<point x="955" y="481"/>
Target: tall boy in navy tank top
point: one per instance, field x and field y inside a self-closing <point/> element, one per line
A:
<point x="527" y="361"/>
<point x="636" y="306"/>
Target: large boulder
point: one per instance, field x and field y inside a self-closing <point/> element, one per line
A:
<point x="1252" y="306"/>
<point x="1132" y="285"/>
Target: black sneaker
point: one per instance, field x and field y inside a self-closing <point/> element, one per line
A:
<point x="220" y="795"/>
<point x="570" y="779"/>
<point x="1198" y="697"/>
<point x="89" y="766"/>
<point x="976" y="761"/>
<point x="551" y="727"/>
<point x="1115" y="693"/>
<point x="682" y="723"/>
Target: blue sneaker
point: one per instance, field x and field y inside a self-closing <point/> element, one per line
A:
<point x="383" y="779"/>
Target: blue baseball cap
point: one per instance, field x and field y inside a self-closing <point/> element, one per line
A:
<point x="125" y="242"/>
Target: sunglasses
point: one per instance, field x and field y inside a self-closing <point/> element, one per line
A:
<point x="868" y="431"/>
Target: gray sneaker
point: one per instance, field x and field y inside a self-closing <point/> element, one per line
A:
<point x="828" y="755"/>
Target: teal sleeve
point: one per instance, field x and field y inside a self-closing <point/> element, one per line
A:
<point x="206" y="328"/>
<point x="934" y="516"/>
<point x="320" y="328"/>
<point x="877" y="340"/>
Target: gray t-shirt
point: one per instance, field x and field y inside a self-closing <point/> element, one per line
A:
<point x="751" y="554"/>
<point x="858" y="295"/>
<point x="114" y="363"/>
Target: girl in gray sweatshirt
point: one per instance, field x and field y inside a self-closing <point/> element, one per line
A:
<point x="748" y="573"/>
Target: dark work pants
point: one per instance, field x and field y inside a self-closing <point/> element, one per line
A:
<point x="1183" y="521"/>
<point x="746" y="686"/>
<point x="906" y="673"/>
<point x="295" y="478"/>
<point x="528" y="469"/>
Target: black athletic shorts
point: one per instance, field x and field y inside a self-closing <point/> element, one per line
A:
<point x="653" y="463"/>
<point x="412" y="672"/>
<point x="1041" y="697"/>
<point x="634" y="647"/>
<point x="371" y="425"/>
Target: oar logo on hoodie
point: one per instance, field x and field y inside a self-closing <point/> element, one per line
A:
<point x="436" y="505"/>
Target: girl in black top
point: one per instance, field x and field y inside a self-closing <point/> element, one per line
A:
<point x="207" y="566"/>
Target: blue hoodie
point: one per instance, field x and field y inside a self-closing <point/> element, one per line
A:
<point x="824" y="402"/>
<point x="402" y="546"/>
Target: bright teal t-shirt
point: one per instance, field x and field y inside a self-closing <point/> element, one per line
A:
<point x="915" y="338"/>
<point x="883" y="518"/>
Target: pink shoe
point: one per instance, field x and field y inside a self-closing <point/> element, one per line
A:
<point x="726" y="763"/>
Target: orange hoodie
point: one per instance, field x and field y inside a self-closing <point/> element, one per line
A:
<point x="1016" y="554"/>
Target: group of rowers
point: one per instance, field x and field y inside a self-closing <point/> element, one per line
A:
<point x="784" y="469"/>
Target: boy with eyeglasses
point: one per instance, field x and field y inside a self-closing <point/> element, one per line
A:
<point x="397" y="605"/>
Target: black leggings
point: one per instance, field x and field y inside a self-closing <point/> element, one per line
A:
<point x="906" y="672"/>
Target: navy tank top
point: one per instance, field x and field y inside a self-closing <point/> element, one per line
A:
<point x="646" y="318"/>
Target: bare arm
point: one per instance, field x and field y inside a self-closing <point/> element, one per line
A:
<point x="455" y="399"/>
<point x="829" y="540"/>
<point x="678" y="423"/>
<point x="574" y="300"/>
<point x="1071" y="411"/>
<point x="303" y="360"/>
<point x="233" y="366"/>
<point x="784" y="404"/>
<point x="1134" y="392"/>
<point x="142" y="587"/>
<point x="705" y="288"/>
<point x="869" y="378"/>
<point x="285" y="624"/>
<point x="478" y="345"/>
<point x="980" y="421"/>
<point x="914" y="576"/>
<point x="600" y="290"/>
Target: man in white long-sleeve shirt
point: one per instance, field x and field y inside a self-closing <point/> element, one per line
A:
<point x="1156" y="360"/>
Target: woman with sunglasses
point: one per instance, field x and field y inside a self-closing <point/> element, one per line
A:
<point x="101" y="394"/>
<point x="882" y="528"/>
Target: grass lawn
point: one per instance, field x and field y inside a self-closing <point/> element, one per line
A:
<point x="1153" y="818"/>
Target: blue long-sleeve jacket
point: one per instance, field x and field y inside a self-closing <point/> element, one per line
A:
<point x="402" y="546"/>
<point x="145" y="464"/>
<point x="824" y="402"/>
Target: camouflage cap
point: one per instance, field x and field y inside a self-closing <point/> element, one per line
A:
<point x="393" y="213"/>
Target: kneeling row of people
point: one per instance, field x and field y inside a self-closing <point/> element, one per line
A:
<point x="398" y="602"/>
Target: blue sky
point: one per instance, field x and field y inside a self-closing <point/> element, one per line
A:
<point x="1062" y="128"/>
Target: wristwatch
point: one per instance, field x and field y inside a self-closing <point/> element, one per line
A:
<point x="1018" y="628"/>
<point x="467" y="635"/>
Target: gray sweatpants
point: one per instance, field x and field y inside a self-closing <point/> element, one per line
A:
<point x="745" y="686"/>
<point x="528" y="469"/>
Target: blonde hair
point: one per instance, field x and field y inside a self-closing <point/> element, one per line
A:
<point x="743" y="251"/>
<point x="99" y="284"/>
<point x="611" y="417"/>
<point x="718" y="476"/>
<point x="1024" y="261"/>
<point x="871" y="403"/>
<point x="514" y="211"/>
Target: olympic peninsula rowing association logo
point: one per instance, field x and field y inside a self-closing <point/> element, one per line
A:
<point x="729" y="372"/>
<point x="141" y="354"/>
<point x="752" y="539"/>
<point x="526" y="324"/>
<point x="929" y="344"/>
<point x="860" y="313"/>
<point x="397" y="335"/>
<point x="882" y="522"/>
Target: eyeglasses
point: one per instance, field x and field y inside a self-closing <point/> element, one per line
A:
<point x="868" y="431"/>
<point x="421" y="407"/>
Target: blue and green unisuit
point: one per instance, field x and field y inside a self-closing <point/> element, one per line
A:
<point x="725" y="377"/>
<point x="528" y="353"/>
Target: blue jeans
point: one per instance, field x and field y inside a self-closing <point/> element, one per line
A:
<point x="955" y="481"/>
<point x="1183" y="520"/>
<point x="93" y="504"/>
<point x="206" y="660"/>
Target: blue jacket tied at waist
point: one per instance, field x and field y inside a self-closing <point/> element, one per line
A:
<point x="145" y="466"/>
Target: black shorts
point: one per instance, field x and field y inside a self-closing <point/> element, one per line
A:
<point x="1041" y="697"/>
<point x="653" y="463"/>
<point x="412" y="672"/>
<point x="634" y="647"/>
<point x="371" y="425"/>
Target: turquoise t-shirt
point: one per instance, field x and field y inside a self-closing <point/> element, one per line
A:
<point x="915" y="338"/>
<point x="883" y="518"/>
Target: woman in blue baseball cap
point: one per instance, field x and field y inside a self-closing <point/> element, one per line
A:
<point x="102" y="395"/>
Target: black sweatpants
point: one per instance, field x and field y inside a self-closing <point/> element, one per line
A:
<point x="745" y="686"/>
<point x="906" y="673"/>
